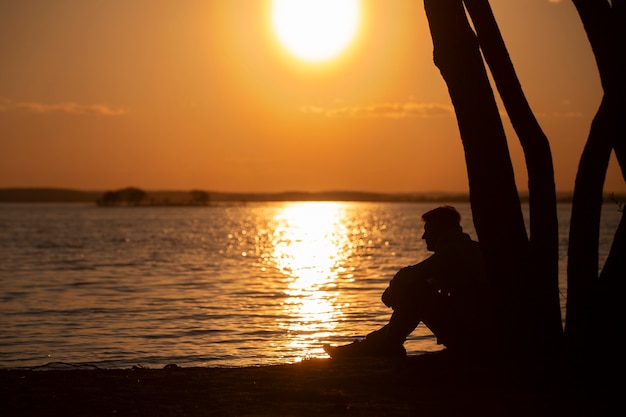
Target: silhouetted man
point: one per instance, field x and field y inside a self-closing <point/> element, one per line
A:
<point x="446" y="292"/>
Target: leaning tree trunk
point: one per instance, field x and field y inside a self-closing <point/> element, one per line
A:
<point x="494" y="198"/>
<point x="582" y="265"/>
<point x="594" y="303"/>
<point x="544" y="239"/>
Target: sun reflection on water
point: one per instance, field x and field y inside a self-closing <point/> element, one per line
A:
<point x="310" y="247"/>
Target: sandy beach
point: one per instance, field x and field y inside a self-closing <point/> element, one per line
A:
<point x="426" y="385"/>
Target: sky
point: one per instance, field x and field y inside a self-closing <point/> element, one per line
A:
<point x="202" y="94"/>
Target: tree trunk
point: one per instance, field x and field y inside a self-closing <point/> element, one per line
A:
<point x="544" y="239"/>
<point x="594" y="303"/>
<point x="582" y="265"/>
<point x="494" y="198"/>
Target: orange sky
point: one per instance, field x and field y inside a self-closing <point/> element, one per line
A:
<point x="186" y="94"/>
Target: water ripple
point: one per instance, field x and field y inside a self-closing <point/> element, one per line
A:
<point x="210" y="286"/>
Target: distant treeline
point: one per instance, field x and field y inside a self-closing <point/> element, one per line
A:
<point x="138" y="197"/>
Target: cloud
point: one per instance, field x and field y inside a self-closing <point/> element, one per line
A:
<point x="63" y="107"/>
<point x="413" y="110"/>
<point x="566" y="110"/>
<point x="405" y="110"/>
<point x="562" y="115"/>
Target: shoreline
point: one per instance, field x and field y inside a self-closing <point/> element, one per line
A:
<point x="199" y="198"/>
<point x="424" y="385"/>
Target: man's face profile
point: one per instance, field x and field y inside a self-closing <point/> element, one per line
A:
<point x="429" y="236"/>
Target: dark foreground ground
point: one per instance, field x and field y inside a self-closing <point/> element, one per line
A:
<point x="429" y="385"/>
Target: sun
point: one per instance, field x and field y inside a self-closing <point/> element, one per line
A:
<point x="315" y="30"/>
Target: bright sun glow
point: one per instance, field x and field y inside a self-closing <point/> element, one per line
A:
<point x="315" y="30"/>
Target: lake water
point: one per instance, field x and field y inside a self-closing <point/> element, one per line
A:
<point x="253" y="284"/>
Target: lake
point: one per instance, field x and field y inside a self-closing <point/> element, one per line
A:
<point x="222" y="285"/>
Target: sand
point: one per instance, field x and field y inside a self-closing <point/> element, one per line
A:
<point x="425" y="385"/>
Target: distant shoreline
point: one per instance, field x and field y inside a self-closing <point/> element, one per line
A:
<point x="176" y="198"/>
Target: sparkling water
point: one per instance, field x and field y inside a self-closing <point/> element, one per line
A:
<point x="222" y="285"/>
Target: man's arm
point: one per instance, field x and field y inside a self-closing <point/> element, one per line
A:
<point x="406" y="278"/>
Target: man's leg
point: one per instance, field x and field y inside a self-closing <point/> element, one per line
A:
<point x="389" y="340"/>
<point x="380" y="343"/>
<point x="434" y="311"/>
<point x="420" y="302"/>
